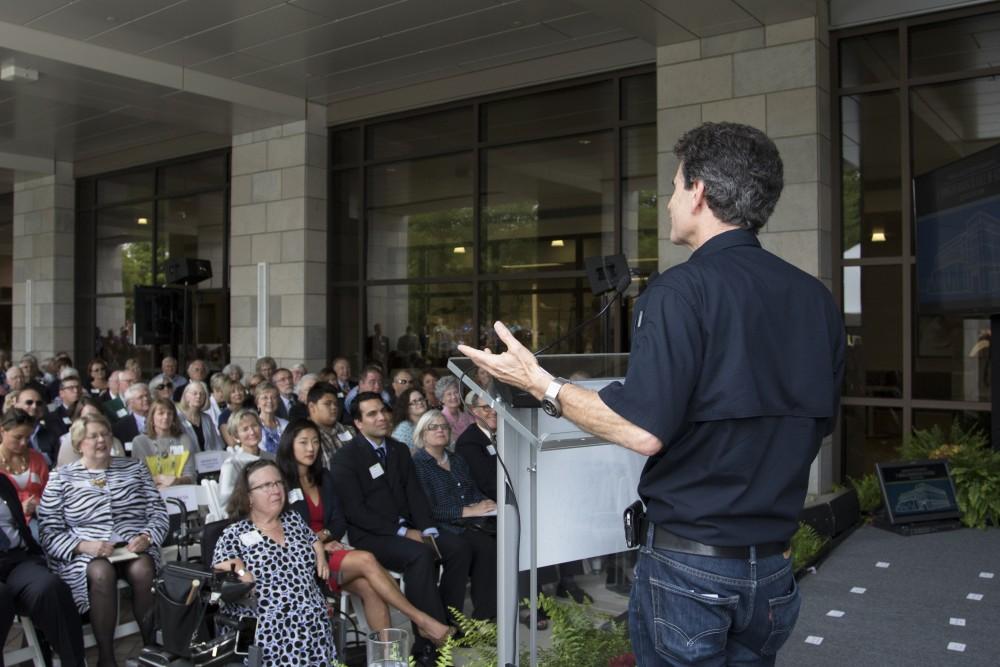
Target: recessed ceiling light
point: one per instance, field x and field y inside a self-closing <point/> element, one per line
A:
<point x="557" y="243"/>
<point x="459" y="250"/>
<point x="143" y="221"/>
<point x="878" y="236"/>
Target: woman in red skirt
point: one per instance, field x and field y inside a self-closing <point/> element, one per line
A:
<point x="310" y="493"/>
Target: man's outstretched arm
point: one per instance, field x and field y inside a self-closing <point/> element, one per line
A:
<point x="584" y="407"/>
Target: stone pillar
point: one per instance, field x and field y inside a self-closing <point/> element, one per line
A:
<point x="278" y="227"/>
<point x="43" y="262"/>
<point x="775" y="78"/>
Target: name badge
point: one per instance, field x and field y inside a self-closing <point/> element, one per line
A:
<point x="251" y="538"/>
<point x="344" y="437"/>
<point x="83" y="485"/>
<point x="121" y="412"/>
<point x="340" y="394"/>
<point x="177" y="450"/>
<point x="67" y="421"/>
<point x="376" y="471"/>
<point x="295" y="495"/>
<point x="492" y="450"/>
<point x="128" y="446"/>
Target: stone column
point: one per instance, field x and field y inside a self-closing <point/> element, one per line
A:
<point x="278" y="226"/>
<point x="43" y="262"/>
<point x="776" y="78"/>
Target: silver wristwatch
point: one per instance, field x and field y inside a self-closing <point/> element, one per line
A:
<point x="550" y="401"/>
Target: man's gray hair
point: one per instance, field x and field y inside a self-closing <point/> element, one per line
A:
<point x="133" y="391"/>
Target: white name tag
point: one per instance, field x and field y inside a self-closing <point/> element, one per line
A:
<point x="295" y="495"/>
<point x="121" y="412"/>
<point x="251" y="538"/>
<point x="128" y="446"/>
<point x="210" y="461"/>
<point x="177" y="450"/>
<point x="67" y="421"/>
<point x="492" y="450"/>
<point x="345" y="436"/>
<point x="376" y="471"/>
<point x="84" y="485"/>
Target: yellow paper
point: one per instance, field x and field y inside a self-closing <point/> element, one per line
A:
<point x="172" y="464"/>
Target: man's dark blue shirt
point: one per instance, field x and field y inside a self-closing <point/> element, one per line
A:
<point x="736" y="363"/>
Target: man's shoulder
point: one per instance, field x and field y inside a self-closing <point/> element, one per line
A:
<point x="471" y="436"/>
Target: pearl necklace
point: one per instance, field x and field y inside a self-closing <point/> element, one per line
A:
<point x="9" y="465"/>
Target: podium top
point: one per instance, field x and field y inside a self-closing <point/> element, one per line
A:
<point x="592" y="370"/>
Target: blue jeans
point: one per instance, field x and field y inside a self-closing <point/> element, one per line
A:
<point x="687" y="610"/>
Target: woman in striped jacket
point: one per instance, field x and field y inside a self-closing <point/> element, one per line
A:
<point x="101" y="518"/>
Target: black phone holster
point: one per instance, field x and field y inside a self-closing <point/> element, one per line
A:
<point x="633" y="517"/>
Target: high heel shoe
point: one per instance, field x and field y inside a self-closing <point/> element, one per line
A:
<point x="443" y="639"/>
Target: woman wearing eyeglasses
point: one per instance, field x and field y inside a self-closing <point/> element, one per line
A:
<point x="410" y="405"/>
<point x="26" y="469"/>
<point x="274" y="548"/>
<point x="311" y="494"/>
<point x="89" y="509"/>
<point x="457" y="506"/>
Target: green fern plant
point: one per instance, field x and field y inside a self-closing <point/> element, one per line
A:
<point x="806" y="545"/>
<point x="869" y="492"/>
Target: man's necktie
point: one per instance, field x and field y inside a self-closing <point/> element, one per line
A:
<point x="381" y="454"/>
<point x="4" y="541"/>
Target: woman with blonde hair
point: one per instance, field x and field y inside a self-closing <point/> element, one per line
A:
<point x="195" y="420"/>
<point x="245" y="432"/>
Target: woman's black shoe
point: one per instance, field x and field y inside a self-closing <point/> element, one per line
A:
<point x="573" y="590"/>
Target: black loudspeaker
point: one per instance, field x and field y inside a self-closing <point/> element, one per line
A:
<point x="820" y="517"/>
<point x="187" y="271"/>
<point x="846" y="510"/>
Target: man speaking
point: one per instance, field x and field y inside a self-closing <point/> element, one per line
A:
<point x="733" y="381"/>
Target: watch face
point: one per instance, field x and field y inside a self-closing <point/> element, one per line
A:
<point x="550" y="408"/>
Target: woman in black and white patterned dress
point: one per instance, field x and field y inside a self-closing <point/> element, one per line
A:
<point x="274" y="547"/>
<point x="88" y="508"/>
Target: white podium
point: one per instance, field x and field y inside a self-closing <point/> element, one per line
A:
<point x="571" y="487"/>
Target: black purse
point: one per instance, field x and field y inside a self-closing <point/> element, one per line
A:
<point x="180" y="607"/>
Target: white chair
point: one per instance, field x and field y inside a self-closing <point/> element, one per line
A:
<point x="215" y="509"/>
<point x="31" y="652"/>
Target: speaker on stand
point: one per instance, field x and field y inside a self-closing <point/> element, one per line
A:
<point x="186" y="272"/>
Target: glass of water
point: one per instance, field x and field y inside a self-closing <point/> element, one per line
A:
<point x="388" y="648"/>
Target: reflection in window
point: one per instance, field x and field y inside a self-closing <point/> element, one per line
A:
<point x="870" y="58"/>
<point x="966" y="44"/>
<point x="548" y="204"/>
<point x="540" y="312"/>
<point x="640" y="234"/>
<point x="870" y="435"/>
<point x="952" y="120"/>
<point x="424" y="324"/>
<point x="550" y="113"/>
<point x="124" y="248"/>
<point x="873" y="320"/>
<point x="951" y="358"/>
<point x="870" y="176"/>
<point x="193" y="227"/>
<point x="943" y="419"/>
<point x="437" y="132"/>
<point x="420" y="218"/>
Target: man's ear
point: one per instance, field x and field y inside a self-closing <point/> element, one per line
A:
<point x="697" y="191"/>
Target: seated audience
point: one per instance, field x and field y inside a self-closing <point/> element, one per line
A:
<point x="129" y="427"/>
<point x="85" y="407"/>
<point x="298" y="372"/>
<point x="428" y="381"/>
<point x="234" y="372"/>
<point x="15" y="379"/>
<point x="409" y="406"/>
<point x="43" y="439"/>
<point x="58" y="417"/>
<point x="300" y="410"/>
<point x="168" y="372"/>
<point x="236" y="395"/>
<point x="311" y="494"/>
<point x="264" y="367"/>
<point x="282" y="381"/>
<point x="217" y="398"/>
<point x="458" y="506"/>
<point x="114" y="405"/>
<point x="26" y="469"/>
<point x="161" y="389"/>
<point x="449" y="395"/>
<point x="132" y="364"/>
<point x="388" y="514"/>
<point x="197" y="371"/>
<point x="267" y="400"/>
<point x="87" y="508"/>
<point x="477" y="445"/>
<point x="28" y="587"/>
<point x="164" y="447"/>
<point x="401" y="381"/>
<point x="252" y="383"/>
<point x="344" y="383"/>
<point x="245" y="433"/>
<point x="195" y="420"/>
<point x="273" y="547"/>
<point x="371" y="380"/>
<point x="324" y="411"/>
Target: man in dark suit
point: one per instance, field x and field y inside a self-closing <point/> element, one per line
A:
<point x="389" y="515"/>
<point x="58" y="418"/>
<point x="43" y="439"/>
<point x="114" y="407"/>
<point x="282" y="380"/>
<point x="478" y="445"/>
<point x="28" y="587"/>
<point x="126" y="429"/>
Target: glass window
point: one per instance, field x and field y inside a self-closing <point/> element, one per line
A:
<point x="871" y="206"/>
<point x="639" y="98"/>
<point x="870" y="435"/>
<point x="194" y="228"/>
<point x="967" y="419"/>
<point x="640" y="231"/>
<point x="124" y="253"/>
<point x="344" y="329"/>
<point x="550" y="113"/>
<point x="966" y="44"/>
<point x="438" y="132"/>
<point x="345" y="227"/>
<point x="420" y="218"/>
<point x="873" y="309"/>
<point x="539" y="312"/>
<point x="424" y="323"/>
<point x="548" y="204"/>
<point x="128" y="186"/>
<point x="869" y="59"/>
<point x="203" y="174"/>
<point x="951" y="358"/>
<point x="346" y="146"/>
<point x="952" y="120"/>
<point x="211" y="325"/>
<point x="115" y="329"/>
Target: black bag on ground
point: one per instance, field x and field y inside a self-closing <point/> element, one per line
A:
<point x="180" y="606"/>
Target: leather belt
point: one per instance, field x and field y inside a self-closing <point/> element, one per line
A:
<point x="664" y="539"/>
